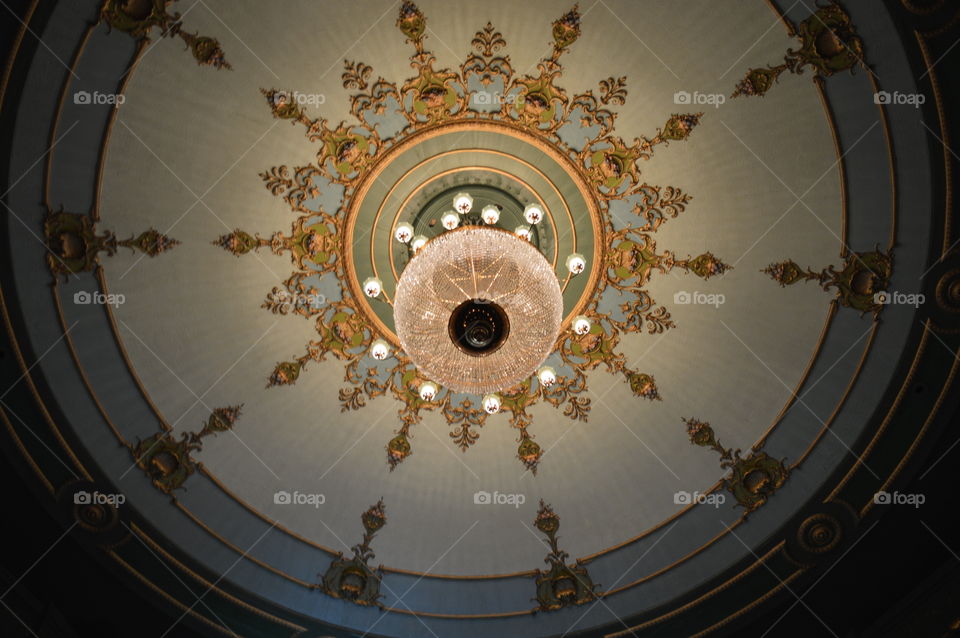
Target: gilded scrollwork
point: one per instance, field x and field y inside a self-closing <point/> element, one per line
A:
<point x="563" y="584"/>
<point x="485" y="61"/>
<point x="140" y="17"/>
<point x="829" y="44"/>
<point x="753" y="479"/>
<point x="353" y="579"/>
<point x="167" y="459"/>
<point x="860" y="283"/>
<point x="312" y="244"/>
<point x="74" y="245"/>
<point x="534" y="103"/>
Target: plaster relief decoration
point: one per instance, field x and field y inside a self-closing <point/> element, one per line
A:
<point x="562" y="584"/>
<point x="167" y="460"/>
<point x="74" y="246"/>
<point x="829" y="44"/>
<point x="139" y="17"/>
<point x="353" y="579"/>
<point x="753" y="479"/>
<point x="861" y="283"/>
<point x="337" y="224"/>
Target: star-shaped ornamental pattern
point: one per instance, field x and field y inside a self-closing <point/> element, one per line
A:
<point x="630" y="212"/>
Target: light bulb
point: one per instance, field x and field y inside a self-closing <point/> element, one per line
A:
<point x="403" y="232"/>
<point x="379" y="349"/>
<point x="576" y="264"/>
<point x="582" y="325"/>
<point x="533" y="213"/>
<point x="490" y="214"/>
<point x="372" y="287"/>
<point x="523" y="232"/>
<point x="428" y="390"/>
<point x="450" y="220"/>
<point x="463" y="203"/>
<point x="417" y="242"/>
<point x="491" y="403"/>
<point x="547" y="376"/>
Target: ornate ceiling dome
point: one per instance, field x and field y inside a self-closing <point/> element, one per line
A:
<point x="478" y="309"/>
<point x="218" y="311"/>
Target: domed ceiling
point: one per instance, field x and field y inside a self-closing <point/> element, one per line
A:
<point x="200" y="192"/>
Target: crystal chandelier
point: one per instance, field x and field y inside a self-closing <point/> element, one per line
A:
<point x="478" y="310"/>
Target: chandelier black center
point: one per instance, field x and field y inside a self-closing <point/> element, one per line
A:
<point x="478" y="326"/>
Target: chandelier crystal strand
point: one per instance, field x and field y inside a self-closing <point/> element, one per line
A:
<point x="488" y="266"/>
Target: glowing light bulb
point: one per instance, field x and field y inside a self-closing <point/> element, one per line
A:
<point x="582" y="325"/>
<point x="547" y="376"/>
<point x="450" y="220"/>
<point x="533" y="213"/>
<point x="576" y="264"/>
<point x="372" y="287"/>
<point x="523" y="232"/>
<point x="490" y="214"/>
<point x="428" y="390"/>
<point x="463" y="203"/>
<point x="417" y="242"/>
<point x="379" y="349"/>
<point x="491" y="403"/>
<point x="403" y="232"/>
